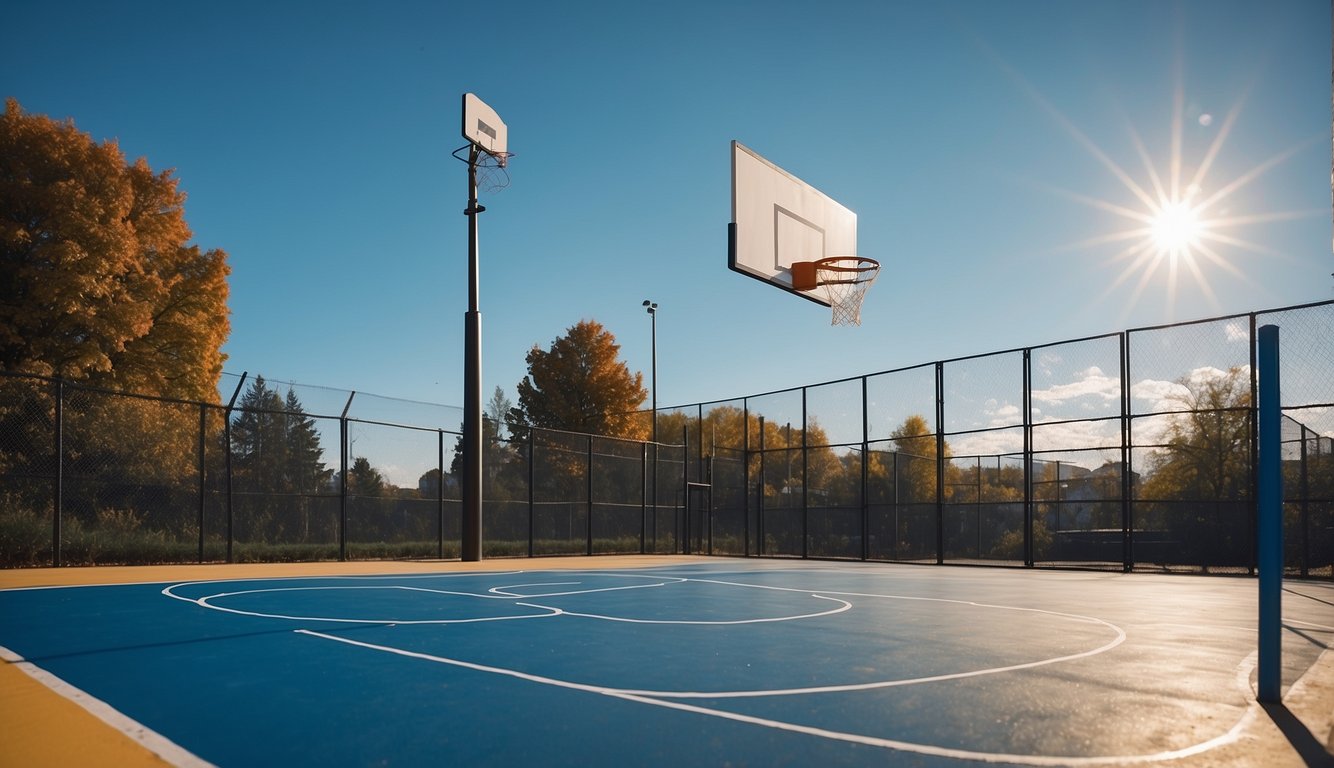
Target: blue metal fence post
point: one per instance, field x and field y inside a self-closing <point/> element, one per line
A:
<point x="1270" y="518"/>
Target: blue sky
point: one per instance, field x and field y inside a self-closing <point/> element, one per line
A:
<point x="986" y="148"/>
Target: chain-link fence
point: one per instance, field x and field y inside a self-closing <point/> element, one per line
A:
<point x="1133" y="450"/>
<point x="94" y="476"/>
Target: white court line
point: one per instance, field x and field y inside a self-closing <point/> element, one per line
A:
<point x="1242" y="678"/>
<point x="845" y="605"/>
<point x="664" y="698"/>
<point x="501" y="590"/>
<point x="134" y="730"/>
<point x="205" y="602"/>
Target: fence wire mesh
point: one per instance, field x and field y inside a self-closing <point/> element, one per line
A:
<point x="1133" y="450"/>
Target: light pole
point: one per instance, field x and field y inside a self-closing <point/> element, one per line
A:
<point x="652" y="309"/>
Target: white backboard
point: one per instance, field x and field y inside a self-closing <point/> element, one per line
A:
<point x="778" y="219"/>
<point x="483" y="127"/>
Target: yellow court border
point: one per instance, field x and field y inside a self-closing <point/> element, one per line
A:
<point x="40" y="728"/>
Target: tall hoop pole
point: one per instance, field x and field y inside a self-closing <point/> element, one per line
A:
<point x="472" y="383"/>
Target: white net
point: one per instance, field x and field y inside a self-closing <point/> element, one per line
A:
<point x="492" y="175"/>
<point x="844" y="282"/>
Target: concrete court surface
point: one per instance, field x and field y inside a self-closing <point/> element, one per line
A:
<point x="1159" y="668"/>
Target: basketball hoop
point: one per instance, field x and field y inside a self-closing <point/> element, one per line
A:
<point x="492" y="175"/>
<point x="841" y="280"/>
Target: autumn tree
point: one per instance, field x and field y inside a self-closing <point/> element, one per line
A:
<point x="97" y="280"/>
<point x="915" y="473"/>
<point x="1207" y="447"/>
<point x="1199" y="482"/>
<point x="581" y="385"/>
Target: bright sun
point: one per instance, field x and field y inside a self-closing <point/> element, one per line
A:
<point x="1177" y="224"/>
<point x="1176" y="228"/>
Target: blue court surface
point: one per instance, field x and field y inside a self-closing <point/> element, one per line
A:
<point x="725" y="662"/>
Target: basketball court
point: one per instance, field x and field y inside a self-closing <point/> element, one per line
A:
<point x="658" y="661"/>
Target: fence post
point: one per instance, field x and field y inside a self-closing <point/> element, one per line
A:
<point x="894" y="538"/>
<point x="342" y="479"/>
<point x="203" y="427"/>
<point x="805" y="483"/>
<point x="227" y="440"/>
<point x="759" y="493"/>
<point x="643" y="495"/>
<point x="745" y="478"/>
<point x="940" y="463"/>
<point x="588" y="517"/>
<point x="1030" y="553"/>
<point x="1270" y="515"/>
<point x="1127" y="473"/>
<point x="532" y="477"/>
<point x="1305" y="516"/>
<point x="866" y="459"/>
<point x="57" y="492"/>
<point x="683" y="509"/>
<point x="440" y="493"/>
<point x="1253" y="414"/>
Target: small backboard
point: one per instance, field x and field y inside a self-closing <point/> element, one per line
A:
<point x="778" y="219"/>
<point x="483" y="127"/>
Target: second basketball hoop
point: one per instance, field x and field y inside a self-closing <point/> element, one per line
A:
<point x="841" y="280"/>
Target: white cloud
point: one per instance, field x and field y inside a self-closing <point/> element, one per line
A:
<point x="1091" y="382"/>
<point x="987" y="443"/>
<point x="1005" y="415"/>
<point x="1161" y="395"/>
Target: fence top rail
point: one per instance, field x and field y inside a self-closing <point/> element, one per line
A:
<point x="1253" y="315"/>
<point x="511" y="426"/>
<point x="1028" y="348"/>
<point x="106" y="391"/>
<point x="1098" y="337"/>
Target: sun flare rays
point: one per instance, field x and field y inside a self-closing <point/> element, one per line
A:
<point x="1180" y="222"/>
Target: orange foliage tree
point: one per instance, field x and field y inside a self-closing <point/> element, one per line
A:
<point x="581" y="385"/>
<point x="97" y="280"/>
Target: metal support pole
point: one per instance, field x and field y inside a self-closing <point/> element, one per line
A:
<point x="532" y="479"/>
<point x="342" y="490"/>
<point x="57" y="492"/>
<point x="940" y="463"/>
<point x="865" y="479"/>
<point x="894" y="539"/>
<point x="759" y="493"/>
<point x="1305" y="512"/>
<point x="805" y="466"/>
<point x="643" y="496"/>
<point x="1270" y="514"/>
<point x="1252" y="415"/>
<point x="472" y="383"/>
<point x="440" y="493"/>
<point x="745" y="477"/>
<point x="652" y="309"/>
<point x="683" y="528"/>
<point x="1127" y="477"/>
<point x="203" y="426"/>
<point x="588" y="515"/>
<point x="227" y="446"/>
<point x="1029" y="506"/>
